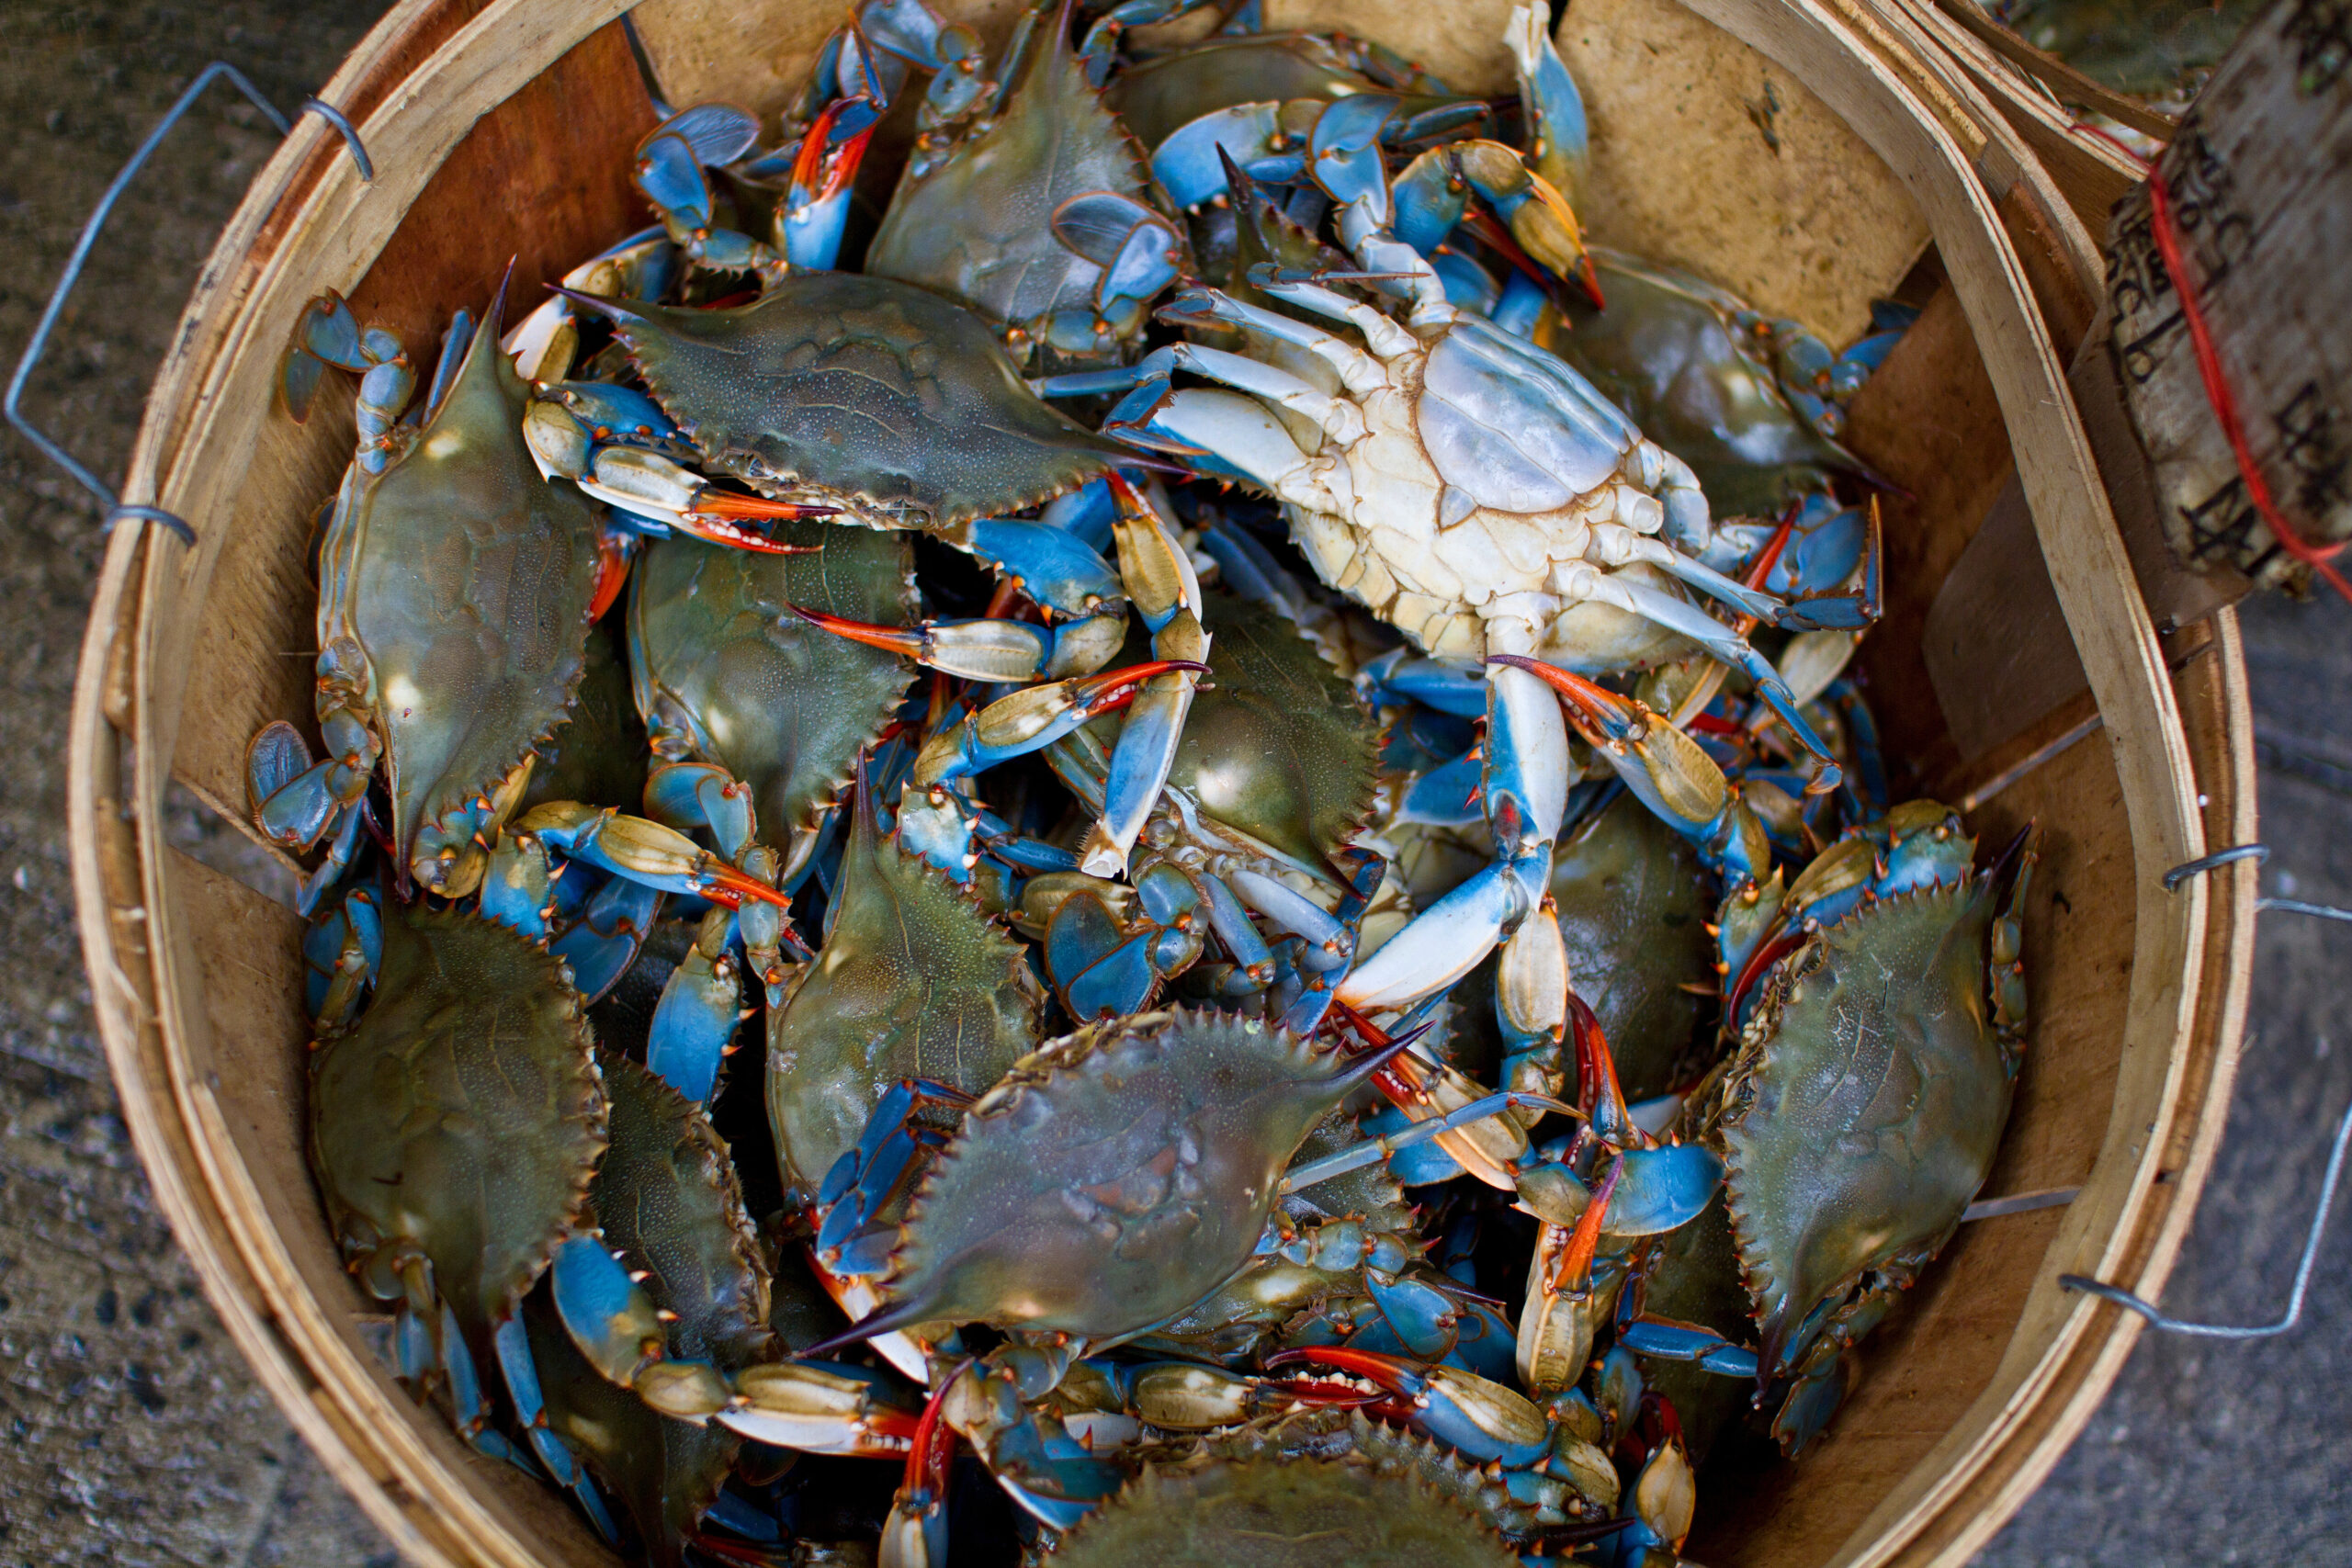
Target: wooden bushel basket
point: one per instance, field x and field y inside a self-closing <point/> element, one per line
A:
<point x="502" y="128"/>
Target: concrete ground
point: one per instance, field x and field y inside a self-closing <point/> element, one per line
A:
<point x="135" y="1434"/>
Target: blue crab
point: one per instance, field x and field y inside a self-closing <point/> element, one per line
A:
<point x="455" y="1128"/>
<point x="456" y="591"/>
<point x="1474" y="492"/>
<point x="1032" y="206"/>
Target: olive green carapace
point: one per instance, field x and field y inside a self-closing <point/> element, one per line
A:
<point x="893" y="403"/>
<point x="667" y="1199"/>
<point x="913" y="981"/>
<point x="1664" y="352"/>
<point x="1114" y="1177"/>
<point x="465" y="580"/>
<point x="978" y="226"/>
<point x="463" y="1114"/>
<point x="1349" y="1437"/>
<point x="1302" y="1512"/>
<point x="1276" y="743"/>
<point x="1865" y="1113"/>
<point x="665" y="1472"/>
<point x="598" y="756"/>
<point x="1633" y="905"/>
<point x="726" y="673"/>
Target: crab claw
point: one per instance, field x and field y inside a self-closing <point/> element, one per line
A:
<point x="1668" y="772"/>
<point x="809" y="222"/>
<point x="1481" y="1419"/>
<point x="645" y="852"/>
<point x="1027" y="721"/>
<point x="988" y="650"/>
<point x="821" y="1408"/>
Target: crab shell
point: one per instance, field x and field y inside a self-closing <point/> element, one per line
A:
<point x="1115" y="1177"/>
<point x="668" y="1201"/>
<point x="725" y="673"/>
<point x="1867" y="1103"/>
<point x="979" y="224"/>
<point x="457" y="585"/>
<point x="913" y="981"/>
<point x="1272" y="1512"/>
<point x="1276" y="743"/>
<point x="896" y="405"/>
<point x="463" y="1115"/>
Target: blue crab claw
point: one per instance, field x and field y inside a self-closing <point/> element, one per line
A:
<point x="1448" y="939"/>
<point x="693" y="1023"/>
<point x="645" y="852"/>
<point x="1479" y="1418"/>
<point x="1135" y="247"/>
<point x="1838" y="609"/>
<point x="1053" y="564"/>
<point x="1536" y="227"/>
<point x="341" y="952"/>
<point x="604" y="940"/>
<point x="816" y="206"/>
<point x="1193" y="163"/>
<point x="1343" y="152"/>
<point x="1028" y="721"/>
<point x="822" y="1407"/>
<point x="671" y="177"/>
<point x="691" y="795"/>
<point x="608" y="1312"/>
<point x="1557" y="137"/>
<point x="1666" y="771"/>
<point x="1103" y="968"/>
<point x="1669" y="1339"/>
<point x="999" y="651"/>
<point x="1657" y="1190"/>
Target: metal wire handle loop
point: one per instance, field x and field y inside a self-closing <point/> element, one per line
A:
<point x="2148" y="1310"/>
<point x="38" y="344"/>
<point x="2215" y="861"/>
<point x="2328" y="1183"/>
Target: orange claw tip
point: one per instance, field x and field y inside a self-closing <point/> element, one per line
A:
<point x="730" y="886"/>
<point x="1105" y="692"/>
<point x="896" y="640"/>
<point x="726" y="504"/>
<point x="1576" y="1263"/>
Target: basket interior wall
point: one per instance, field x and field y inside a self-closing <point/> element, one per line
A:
<point x="542" y="180"/>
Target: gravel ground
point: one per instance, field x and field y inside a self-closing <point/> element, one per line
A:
<point x="135" y="1434"/>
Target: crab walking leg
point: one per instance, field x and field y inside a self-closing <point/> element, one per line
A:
<point x="1372" y="1150"/>
<point x="1166" y="591"/>
<point x="1525" y="792"/>
<point x="1028" y="721"/>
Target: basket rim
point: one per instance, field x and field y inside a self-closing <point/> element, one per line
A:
<point x="2192" y="950"/>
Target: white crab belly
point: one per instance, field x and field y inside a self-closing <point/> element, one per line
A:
<point x="1440" y="564"/>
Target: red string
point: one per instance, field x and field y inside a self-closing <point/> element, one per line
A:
<point x="2217" y="393"/>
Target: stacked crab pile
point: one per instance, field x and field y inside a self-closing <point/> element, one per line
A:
<point x="1320" y="999"/>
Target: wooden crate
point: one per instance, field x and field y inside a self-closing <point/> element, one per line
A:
<point x="502" y="128"/>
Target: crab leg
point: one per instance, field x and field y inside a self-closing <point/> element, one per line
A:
<point x="999" y="651"/>
<point x="1166" y="591"/>
<point x="1027" y="720"/>
<point x="1525" y="791"/>
<point x="645" y="852"/>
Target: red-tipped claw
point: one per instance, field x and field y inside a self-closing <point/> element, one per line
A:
<point x="1115" y="688"/>
<point x="907" y="641"/>
<point x="1576" y="1263"/>
<point x="819" y="171"/>
<point x="724" y="884"/>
